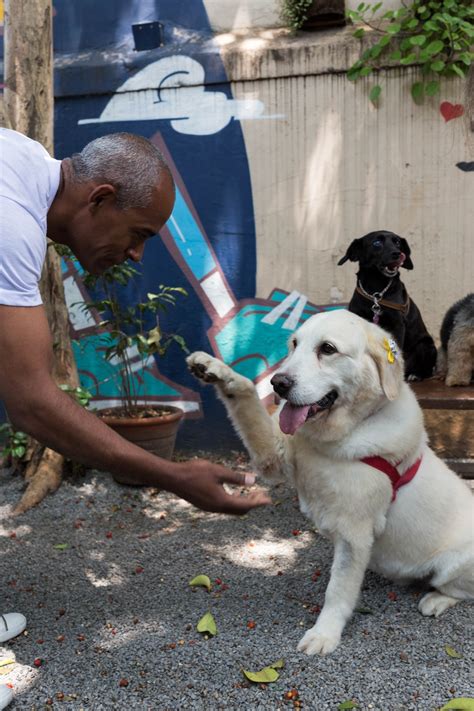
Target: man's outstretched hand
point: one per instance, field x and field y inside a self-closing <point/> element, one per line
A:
<point x="201" y="483"/>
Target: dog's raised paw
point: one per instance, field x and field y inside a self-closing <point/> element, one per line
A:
<point x="317" y="643"/>
<point x="206" y="367"/>
<point x="435" y="603"/>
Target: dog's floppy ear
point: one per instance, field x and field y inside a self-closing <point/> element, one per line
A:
<point x="389" y="361"/>
<point x="354" y="251"/>
<point x="408" y="264"/>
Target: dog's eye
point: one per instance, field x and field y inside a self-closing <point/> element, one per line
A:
<point x="377" y="243"/>
<point x="396" y="241"/>
<point x="327" y="348"/>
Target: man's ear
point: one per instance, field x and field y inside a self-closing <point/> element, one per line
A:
<point x="354" y="252"/>
<point x="408" y="264"/>
<point x="102" y="193"/>
<point x="389" y="361"/>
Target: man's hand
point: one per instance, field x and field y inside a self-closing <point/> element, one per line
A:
<point x="201" y="483"/>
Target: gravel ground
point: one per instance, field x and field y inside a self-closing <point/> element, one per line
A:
<point x="112" y="618"/>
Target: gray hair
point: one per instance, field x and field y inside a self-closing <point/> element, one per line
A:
<point x="132" y="164"/>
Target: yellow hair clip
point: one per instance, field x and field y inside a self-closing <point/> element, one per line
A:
<point x="391" y="348"/>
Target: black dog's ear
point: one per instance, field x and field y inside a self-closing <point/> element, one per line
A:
<point x="408" y="264"/>
<point x="354" y="252"/>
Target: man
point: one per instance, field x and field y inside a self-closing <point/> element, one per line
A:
<point x="103" y="203"/>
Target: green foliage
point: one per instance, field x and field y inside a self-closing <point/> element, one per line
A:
<point x="14" y="443"/>
<point x="125" y="332"/>
<point x="437" y="35"/>
<point x="295" y="12"/>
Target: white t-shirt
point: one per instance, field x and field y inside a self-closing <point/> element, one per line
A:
<point x="29" y="181"/>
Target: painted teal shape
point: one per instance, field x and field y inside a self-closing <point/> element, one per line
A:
<point x="252" y="346"/>
<point x="106" y="377"/>
<point x="189" y="239"/>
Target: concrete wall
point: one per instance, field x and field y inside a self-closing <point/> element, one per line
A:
<point x="328" y="167"/>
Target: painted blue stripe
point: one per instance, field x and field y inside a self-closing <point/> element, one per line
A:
<point x="189" y="239"/>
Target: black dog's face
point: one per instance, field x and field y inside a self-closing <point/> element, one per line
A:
<point x="385" y="251"/>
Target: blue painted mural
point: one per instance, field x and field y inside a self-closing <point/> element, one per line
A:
<point x="178" y="96"/>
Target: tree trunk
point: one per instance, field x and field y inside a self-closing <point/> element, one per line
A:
<point x="29" y="108"/>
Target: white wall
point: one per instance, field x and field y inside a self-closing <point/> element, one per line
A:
<point x="327" y="167"/>
<point x="228" y="15"/>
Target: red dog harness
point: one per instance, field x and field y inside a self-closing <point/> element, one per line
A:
<point x="392" y="472"/>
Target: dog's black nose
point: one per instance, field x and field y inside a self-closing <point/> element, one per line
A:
<point x="396" y="255"/>
<point x="282" y="384"/>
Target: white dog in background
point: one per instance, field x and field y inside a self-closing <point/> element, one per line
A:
<point x="349" y="426"/>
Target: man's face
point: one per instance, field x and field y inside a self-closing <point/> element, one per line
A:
<point x="104" y="235"/>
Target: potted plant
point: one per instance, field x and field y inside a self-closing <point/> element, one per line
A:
<point x="129" y="335"/>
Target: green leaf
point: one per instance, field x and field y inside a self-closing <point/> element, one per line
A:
<point x="417" y="91"/>
<point x="359" y="33"/>
<point x="452" y="652"/>
<point x="279" y="664"/>
<point x="201" y="580"/>
<point x="385" y="40"/>
<point x="396" y="55"/>
<point x="264" y="676"/>
<point x="412" y="24"/>
<point x="364" y="611"/>
<point x="418" y="40"/>
<point x="437" y="66"/>
<point x="61" y="546"/>
<point x="408" y="59"/>
<point x="394" y="28"/>
<point x="434" y="47"/>
<point x="460" y="72"/>
<point x="365" y="71"/>
<point x="461" y="704"/>
<point x="207" y="625"/>
<point x="375" y="93"/>
<point x="432" y="88"/>
<point x="348" y="705"/>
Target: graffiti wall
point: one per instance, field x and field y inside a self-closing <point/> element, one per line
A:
<point x="179" y="97"/>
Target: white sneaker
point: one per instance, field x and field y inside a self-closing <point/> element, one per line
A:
<point x="11" y="625"/>
<point x="6" y="696"/>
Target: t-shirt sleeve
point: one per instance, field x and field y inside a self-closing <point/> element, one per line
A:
<point x="22" y="253"/>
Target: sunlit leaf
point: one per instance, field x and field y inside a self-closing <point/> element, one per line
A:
<point x="207" y="624"/>
<point x="201" y="580"/>
<point x="61" y="546"/>
<point x="348" y="705"/>
<point x="279" y="664"/>
<point x="452" y="652"/>
<point x="264" y="676"/>
<point x="461" y="704"/>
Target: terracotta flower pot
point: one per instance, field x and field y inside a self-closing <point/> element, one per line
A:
<point x="155" y="434"/>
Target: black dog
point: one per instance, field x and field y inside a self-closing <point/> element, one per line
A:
<point x="381" y="297"/>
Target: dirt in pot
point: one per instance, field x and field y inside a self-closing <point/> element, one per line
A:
<point x="139" y="413"/>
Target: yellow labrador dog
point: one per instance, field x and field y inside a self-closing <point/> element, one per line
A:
<point x="350" y="437"/>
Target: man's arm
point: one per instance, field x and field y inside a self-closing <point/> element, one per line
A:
<point x="38" y="407"/>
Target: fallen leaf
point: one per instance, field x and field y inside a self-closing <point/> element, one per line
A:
<point x="348" y="705"/>
<point x="124" y="682"/>
<point x="201" y="580"/>
<point x="279" y="664"/>
<point x="461" y="704"/>
<point x="61" y="546"/>
<point x="364" y="611"/>
<point x="264" y="676"/>
<point x="207" y="624"/>
<point x="452" y="652"/>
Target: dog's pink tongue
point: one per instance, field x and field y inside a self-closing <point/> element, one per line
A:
<point x="292" y="417"/>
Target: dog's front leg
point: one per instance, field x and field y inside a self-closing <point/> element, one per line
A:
<point x="349" y="565"/>
<point x="260" y="434"/>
